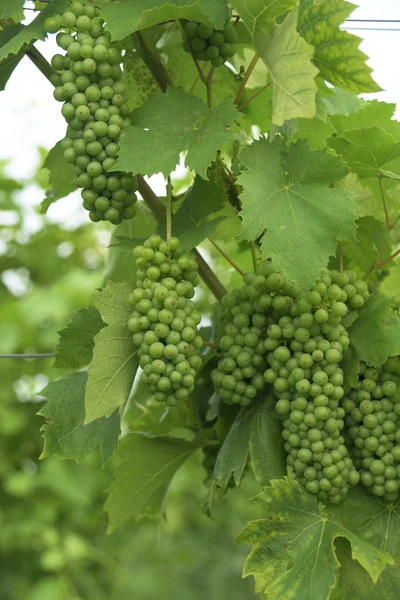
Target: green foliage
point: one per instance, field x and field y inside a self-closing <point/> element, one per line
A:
<point x="145" y="468"/>
<point x="376" y="333"/>
<point x="336" y="52"/>
<point x="290" y="176"/>
<point x="286" y="192"/>
<point x="192" y="223"/>
<point x="170" y="123"/>
<point x="114" y="364"/>
<point x="75" y="348"/>
<point x="142" y="14"/>
<point x="64" y="434"/>
<point x="293" y="553"/>
<point x="32" y="32"/>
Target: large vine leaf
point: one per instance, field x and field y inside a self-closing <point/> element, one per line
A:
<point x="75" y="347"/>
<point x="366" y="150"/>
<point x="114" y="363"/>
<point x="65" y="434"/>
<point x="266" y="443"/>
<point x="286" y="55"/>
<point x="61" y="176"/>
<point x="287" y="193"/>
<point x="379" y="524"/>
<point x="336" y="52"/>
<point x="125" y="16"/>
<point x="192" y="223"/>
<point x="33" y="31"/>
<point x="146" y="466"/>
<point x="168" y="124"/>
<point x="376" y="333"/>
<point x="293" y="553"/>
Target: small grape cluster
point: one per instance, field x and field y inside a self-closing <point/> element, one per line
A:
<point x="164" y="320"/>
<point x="209" y="44"/>
<point x="373" y="417"/>
<point x="306" y="346"/>
<point x="87" y="81"/>
<point x="240" y="372"/>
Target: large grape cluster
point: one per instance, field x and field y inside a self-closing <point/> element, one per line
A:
<point x="306" y="346"/>
<point x="277" y="335"/>
<point x="373" y="419"/>
<point x="164" y="319"/>
<point x="209" y="44"/>
<point x="87" y="81"/>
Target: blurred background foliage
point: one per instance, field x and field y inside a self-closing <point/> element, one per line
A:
<point x="53" y="540"/>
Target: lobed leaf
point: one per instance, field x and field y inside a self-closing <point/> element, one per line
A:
<point x="61" y="176"/>
<point x="287" y="202"/>
<point x="293" y="553"/>
<point x="336" y="53"/>
<point x="171" y="123"/>
<point x="114" y="364"/>
<point x="65" y="434"/>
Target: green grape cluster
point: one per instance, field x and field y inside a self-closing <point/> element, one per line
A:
<point x="88" y="82"/>
<point x="306" y="347"/>
<point x="164" y="319"/>
<point x="373" y="420"/>
<point x="209" y="44"/>
<point x="239" y="376"/>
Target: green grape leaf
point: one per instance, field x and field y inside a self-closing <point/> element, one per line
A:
<point x="61" y="176"/>
<point x="365" y="150"/>
<point x="336" y="52"/>
<point x="371" y="113"/>
<point x="8" y="65"/>
<point x="125" y="16"/>
<point x="192" y="222"/>
<point x="377" y="523"/>
<point x="266" y="443"/>
<point x="114" y="364"/>
<point x="11" y="9"/>
<point x="64" y="433"/>
<point x="138" y="80"/>
<point x="146" y="467"/>
<point x="376" y="333"/>
<point x="33" y="31"/>
<point x="233" y="455"/>
<point x="168" y="124"/>
<point x="293" y="553"/>
<point x="342" y="102"/>
<point x="287" y="193"/>
<point x="75" y="347"/>
<point x="315" y="131"/>
<point x="286" y="55"/>
<point x="373" y="238"/>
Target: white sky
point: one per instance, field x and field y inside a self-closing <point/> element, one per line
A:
<point x="30" y="117"/>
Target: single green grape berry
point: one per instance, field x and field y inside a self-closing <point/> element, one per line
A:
<point x="51" y="24"/>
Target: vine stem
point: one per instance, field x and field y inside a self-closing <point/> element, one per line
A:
<point x="381" y="263"/>
<point x="394" y="222"/>
<point x="158" y="210"/>
<point x="230" y="261"/>
<point x="169" y="208"/>
<point x="253" y="97"/>
<point x="209" y="88"/>
<point x="246" y="77"/>
<point x="47" y="355"/>
<point x="210" y="344"/>
<point x="384" y="202"/>
<point x="340" y="252"/>
<point x="254" y="254"/>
